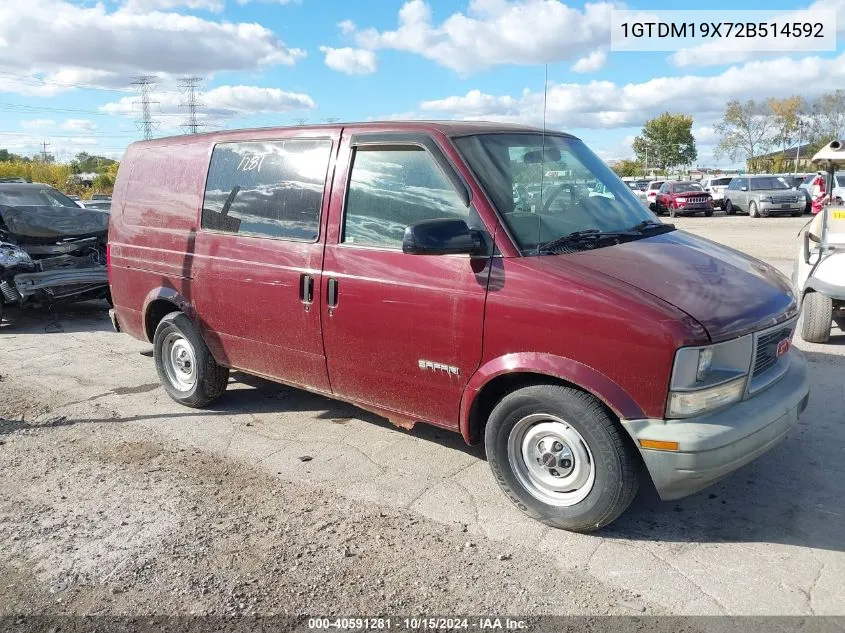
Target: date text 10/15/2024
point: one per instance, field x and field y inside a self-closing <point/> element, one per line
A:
<point x="481" y="623"/>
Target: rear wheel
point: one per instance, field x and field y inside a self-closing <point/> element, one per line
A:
<point x="816" y="317"/>
<point x="188" y="372"/>
<point x="729" y="208"/>
<point x="561" y="458"/>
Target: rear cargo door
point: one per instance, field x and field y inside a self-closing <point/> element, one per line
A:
<point x="402" y="332"/>
<point x="259" y="257"/>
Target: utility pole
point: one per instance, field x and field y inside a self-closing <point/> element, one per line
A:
<point x="146" y="123"/>
<point x="798" y="149"/>
<point x="300" y="121"/>
<point x="44" y="153"/>
<point x="190" y="86"/>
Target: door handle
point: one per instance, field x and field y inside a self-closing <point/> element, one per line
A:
<point x="331" y="299"/>
<point x="306" y="288"/>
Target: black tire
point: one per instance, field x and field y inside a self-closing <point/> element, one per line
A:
<point x="614" y="464"/>
<point x="752" y="210"/>
<point x="816" y="317"/>
<point x="708" y="214"/>
<point x="209" y="378"/>
<point x="729" y="208"/>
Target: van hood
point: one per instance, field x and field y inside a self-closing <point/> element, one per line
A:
<point x="727" y="292"/>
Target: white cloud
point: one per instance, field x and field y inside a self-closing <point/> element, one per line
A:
<point x="352" y="61"/>
<point x="146" y="6"/>
<point x="604" y="104"/>
<point x="496" y="32"/>
<point x="37" y="124"/>
<point x="79" y="125"/>
<point x="51" y="38"/>
<point x="346" y="27"/>
<point x="591" y="63"/>
<point x="221" y="102"/>
<point x="728" y="51"/>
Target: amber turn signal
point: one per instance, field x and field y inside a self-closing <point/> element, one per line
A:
<point x="659" y="445"/>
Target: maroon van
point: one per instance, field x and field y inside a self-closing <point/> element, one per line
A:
<point x="490" y="279"/>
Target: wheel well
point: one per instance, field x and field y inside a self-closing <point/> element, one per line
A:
<point x="499" y="387"/>
<point x="156" y="311"/>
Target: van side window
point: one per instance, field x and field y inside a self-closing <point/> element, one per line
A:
<point x="391" y="188"/>
<point x="267" y="188"/>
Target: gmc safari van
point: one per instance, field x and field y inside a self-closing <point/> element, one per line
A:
<point x="402" y="267"/>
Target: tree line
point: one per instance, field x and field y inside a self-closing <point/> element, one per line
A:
<point x="61" y="176"/>
<point x="747" y="131"/>
<point x="751" y="129"/>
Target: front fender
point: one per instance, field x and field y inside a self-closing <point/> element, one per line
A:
<point x="560" y="367"/>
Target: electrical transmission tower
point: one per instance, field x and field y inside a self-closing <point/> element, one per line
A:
<point x="145" y="85"/>
<point x="190" y="87"/>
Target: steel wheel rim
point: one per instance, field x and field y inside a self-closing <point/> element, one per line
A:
<point x="180" y="362"/>
<point x="551" y="460"/>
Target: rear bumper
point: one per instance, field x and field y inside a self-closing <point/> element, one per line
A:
<point x="714" y="445"/>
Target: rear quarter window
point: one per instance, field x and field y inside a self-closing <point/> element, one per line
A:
<point x="267" y="188"/>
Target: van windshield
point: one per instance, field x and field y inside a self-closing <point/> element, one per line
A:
<point x="549" y="187"/>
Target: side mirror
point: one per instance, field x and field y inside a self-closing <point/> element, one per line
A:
<point x="743" y="188"/>
<point x="442" y="236"/>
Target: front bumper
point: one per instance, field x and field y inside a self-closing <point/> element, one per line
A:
<point x="791" y="207"/>
<point x="716" y="444"/>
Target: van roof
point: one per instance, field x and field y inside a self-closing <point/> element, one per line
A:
<point x="449" y="128"/>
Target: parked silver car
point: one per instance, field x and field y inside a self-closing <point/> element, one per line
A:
<point x="762" y="196"/>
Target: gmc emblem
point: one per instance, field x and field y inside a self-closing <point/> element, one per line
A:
<point x="783" y="347"/>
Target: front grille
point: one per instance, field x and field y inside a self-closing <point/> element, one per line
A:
<point x="784" y="199"/>
<point x="697" y="200"/>
<point x="767" y="349"/>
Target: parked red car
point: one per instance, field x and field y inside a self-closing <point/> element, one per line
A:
<point x="677" y="197"/>
<point x="390" y="265"/>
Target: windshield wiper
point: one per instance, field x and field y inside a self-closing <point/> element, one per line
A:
<point x="582" y="236"/>
<point x="646" y="225"/>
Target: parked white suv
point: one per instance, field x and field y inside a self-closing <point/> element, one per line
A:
<point x="651" y="193"/>
<point x="716" y="188"/>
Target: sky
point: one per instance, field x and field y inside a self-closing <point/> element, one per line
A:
<point x="67" y="68"/>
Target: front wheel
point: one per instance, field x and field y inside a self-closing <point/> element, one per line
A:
<point x="186" y="368"/>
<point x="816" y="318"/>
<point x="752" y="210"/>
<point x="561" y="458"/>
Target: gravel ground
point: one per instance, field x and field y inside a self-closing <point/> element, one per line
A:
<point x="107" y="520"/>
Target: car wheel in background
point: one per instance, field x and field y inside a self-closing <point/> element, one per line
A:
<point x="561" y="458"/>
<point x="186" y="368"/>
<point x="752" y="210"/>
<point x="729" y="208"/>
<point x="816" y="317"/>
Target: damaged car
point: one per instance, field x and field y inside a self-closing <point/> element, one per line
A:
<point x="51" y="250"/>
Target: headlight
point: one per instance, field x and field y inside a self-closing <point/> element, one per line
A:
<point x="681" y="200"/>
<point x="709" y="377"/>
<point x="766" y="199"/>
<point x="685" y="404"/>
